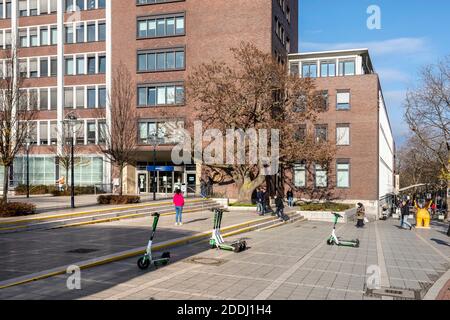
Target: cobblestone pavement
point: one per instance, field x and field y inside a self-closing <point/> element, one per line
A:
<point x="291" y="262"/>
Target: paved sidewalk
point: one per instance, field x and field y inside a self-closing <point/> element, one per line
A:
<point x="290" y="262"/>
<point x="35" y="251"/>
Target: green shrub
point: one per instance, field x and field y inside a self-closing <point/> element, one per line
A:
<point x="15" y="209"/>
<point x="34" y="189"/>
<point x="117" y="199"/>
<point x="326" y="206"/>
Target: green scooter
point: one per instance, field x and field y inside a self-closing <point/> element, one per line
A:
<point x="217" y="241"/>
<point x="147" y="259"/>
<point x="333" y="239"/>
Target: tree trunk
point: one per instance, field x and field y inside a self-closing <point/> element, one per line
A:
<point x="5" y="183"/>
<point x="121" y="181"/>
<point x="248" y="187"/>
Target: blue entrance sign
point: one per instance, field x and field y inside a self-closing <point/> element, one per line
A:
<point x="161" y="168"/>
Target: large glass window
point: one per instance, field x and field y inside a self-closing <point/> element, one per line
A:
<point x="343" y="100"/>
<point x="102" y="31"/>
<point x="42" y="170"/>
<point x="328" y="69"/>
<point x="161" y="95"/>
<point x="43" y="132"/>
<point x="44" y="67"/>
<point x="91" y="32"/>
<point x="300" y="175"/>
<point x="101" y="97"/>
<point x="167" y="60"/>
<point x="69" y="66"/>
<point x="89" y="171"/>
<point x="44" y="36"/>
<point x="161" y="27"/>
<point x="347" y="68"/>
<point x="343" y="135"/>
<point x="343" y="174"/>
<point x="309" y="70"/>
<point x="91" y="97"/>
<point x="321" y="176"/>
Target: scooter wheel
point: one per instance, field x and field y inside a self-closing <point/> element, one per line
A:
<point x="330" y="242"/>
<point x="357" y="244"/>
<point x="165" y="255"/>
<point x="143" y="263"/>
<point x="244" y="245"/>
<point x="237" y="247"/>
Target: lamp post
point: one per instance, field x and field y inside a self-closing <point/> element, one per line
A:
<point x="71" y="121"/>
<point x="27" y="145"/>
<point x="155" y="141"/>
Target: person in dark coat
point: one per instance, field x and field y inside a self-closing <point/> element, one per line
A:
<point x="259" y="201"/>
<point x="404" y="208"/>
<point x="290" y="198"/>
<point x="279" y="204"/>
<point x="360" y="215"/>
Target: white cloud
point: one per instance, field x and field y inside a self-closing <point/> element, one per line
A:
<point x="385" y="47"/>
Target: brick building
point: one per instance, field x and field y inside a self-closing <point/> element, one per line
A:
<point x="356" y="121"/>
<point x="67" y="51"/>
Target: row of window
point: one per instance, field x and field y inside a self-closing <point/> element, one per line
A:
<point x="87" y="31"/>
<point x="161" y="26"/>
<point x="281" y="33"/>
<point x="321" y="175"/>
<point x="342" y="101"/>
<point x="88" y="171"/>
<point x="87" y="131"/>
<point x="328" y="68"/>
<point x="81" y="5"/>
<point x="82" y="97"/>
<point x="160" y="95"/>
<point x="285" y="8"/>
<point x="321" y="133"/>
<point x="160" y="60"/>
<point x="166" y="130"/>
<point x="40" y="67"/>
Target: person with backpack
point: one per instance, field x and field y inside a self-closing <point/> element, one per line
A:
<point x="259" y="201"/>
<point x="178" y="201"/>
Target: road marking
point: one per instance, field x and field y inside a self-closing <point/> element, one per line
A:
<point x="381" y="261"/>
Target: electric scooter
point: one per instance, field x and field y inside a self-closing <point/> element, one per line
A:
<point x="217" y="241"/>
<point x="333" y="239"/>
<point x="146" y="260"/>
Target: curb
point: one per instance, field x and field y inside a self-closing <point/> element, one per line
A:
<point x="76" y="214"/>
<point x="246" y="227"/>
<point x="434" y="292"/>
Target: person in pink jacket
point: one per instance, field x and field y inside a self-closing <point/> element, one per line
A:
<point x="178" y="201"/>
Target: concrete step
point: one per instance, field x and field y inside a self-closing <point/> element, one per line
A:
<point x="64" y="221"/>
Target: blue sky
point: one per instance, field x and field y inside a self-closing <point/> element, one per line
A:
<point x="413" y="33"/>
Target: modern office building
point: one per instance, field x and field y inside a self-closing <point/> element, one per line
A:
<point x="67" y="52"/>
<point x="356" y="121"/>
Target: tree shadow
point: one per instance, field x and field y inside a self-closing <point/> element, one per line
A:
<point x="440" y="242"/>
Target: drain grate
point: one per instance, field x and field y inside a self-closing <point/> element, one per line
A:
<point x="82" y="250"/>
<point x="207" y="261"/>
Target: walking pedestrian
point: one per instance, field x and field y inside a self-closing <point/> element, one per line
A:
<point x="290" y="198"/>
<point x="178" y="201"/>
<point x="259" y="201"/>
<point x="405" y="213"/>
<point x="265" y="196"/>
<point x="279" y="203"/>
<point x="360" y="215"/>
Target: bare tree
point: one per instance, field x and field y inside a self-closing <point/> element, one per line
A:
<point x="254" y="92"/>
<point x="17" y="112"/>
<point x="120" y="132"/>
<point x="427" y="112"/>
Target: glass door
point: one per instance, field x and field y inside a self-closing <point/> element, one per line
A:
<point x="142" y="182"/>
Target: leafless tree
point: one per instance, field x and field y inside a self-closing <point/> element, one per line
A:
<point x="17" y="112"/>
<point x="427" y="112"/>
<point x="120" y="132"/>
<point x="253" y="92"/>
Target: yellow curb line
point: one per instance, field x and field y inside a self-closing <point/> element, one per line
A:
<point x="75" y="214"/>
<point x="139" y="252"/>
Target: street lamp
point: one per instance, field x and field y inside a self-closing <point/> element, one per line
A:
<point x="155" y="141"/>
<point x="71" y="121"/>
<point x="27" y="145"/>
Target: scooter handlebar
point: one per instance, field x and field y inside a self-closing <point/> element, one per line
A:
<point x="337" y="215"/>
<point x="156" y="214"/>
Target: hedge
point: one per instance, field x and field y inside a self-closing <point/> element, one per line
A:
<point x="116" y="199"/>
<point x="15" y="209"/>
<point x="78" y="191"/>
<point x="21" y="189"/>
<point x="326" y="206"/>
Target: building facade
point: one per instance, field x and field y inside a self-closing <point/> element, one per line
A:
<point x="356" y="121"/>
<point x="67" y="52"/>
